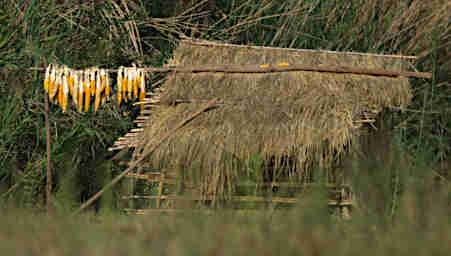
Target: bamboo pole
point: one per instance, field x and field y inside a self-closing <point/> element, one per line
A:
<point x="249" y="69"/>
<point x="245" y="69"/>
<point x="199" y="42"/>
<point x="144" y="154"/>
<point x="48" y="149"/>
<point x="285" y="200"/>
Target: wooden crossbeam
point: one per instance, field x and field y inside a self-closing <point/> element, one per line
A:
<point x="286" y="200"/>
<point x="269" y="68"/>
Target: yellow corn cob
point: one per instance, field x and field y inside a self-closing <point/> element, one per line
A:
<point x="59" y="99"/>
<point x="52" y="84"/>
<point x="70" y="82"/>
<point x="65" y="93"/>
<point x="142" y="95"/>
<point x="136" y="80"/>
<point x="119" y="86"/>
<point x="47" y="78"/>
<point x="87" y="91"/>
<point x="98" y="91"/>
<point x="81" y="86"/>
<point x="142" y="85"/>
<point x="124" y="85"/>
<point x="93" y="82"/>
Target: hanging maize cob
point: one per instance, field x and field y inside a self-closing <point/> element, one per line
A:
<point x="64" y="77"/>
<point x="65" y="93"/>
<point x="130" y="83"/>
<point x="52" y="84"/>
<point x="70" y="81"/>
<point x="81" y="87"/>
<point x="102" y="79"/>
<point x="119" y="86"/>
<point x="59" y="83"/>
<point x="142" y="93"/>
<point x="47" y="78"/>
<point x="107" y="83"/>
<point x="102" y="86"/>
<point x="124" y="84"/>
<point x="136" y="80"/>
<point x="75" y="88"/>
<point x="87" y="90"/>
<point x="92" y="75"/>
<point x="98" y="91"/>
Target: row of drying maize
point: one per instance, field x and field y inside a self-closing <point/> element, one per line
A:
<point x="62" y="83"/>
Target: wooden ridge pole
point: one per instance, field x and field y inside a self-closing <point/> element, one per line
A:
<point x="266" y="68"/>
<point x="201" y="42"/>
<point x="248" y="69"/>
<point x="144" y="154"/>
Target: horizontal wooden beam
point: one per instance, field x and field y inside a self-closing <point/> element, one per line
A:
<point x="286" y="67"/>
<point x="151" y="178"/>
<point x="281" y="67"/>
<point x="193" y="211"/>
<point x="286" y="200"/>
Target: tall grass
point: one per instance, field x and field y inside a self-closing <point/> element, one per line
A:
<point x="421" y="228"/>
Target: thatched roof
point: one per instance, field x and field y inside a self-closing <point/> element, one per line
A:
<point x="309" y="116"/>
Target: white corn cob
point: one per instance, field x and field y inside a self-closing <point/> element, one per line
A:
<point x="75" y="88"/>
<point x="47" y="78"/>
<point x="130" y="82"/>
<point x="81" y="90"/>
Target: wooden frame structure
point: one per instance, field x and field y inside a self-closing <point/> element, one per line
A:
<point x="340" y="196"/>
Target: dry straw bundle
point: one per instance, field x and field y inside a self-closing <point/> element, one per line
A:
<point x="310" y="117"/>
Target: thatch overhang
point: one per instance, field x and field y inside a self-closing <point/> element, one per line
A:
<point x="311" y="117"/>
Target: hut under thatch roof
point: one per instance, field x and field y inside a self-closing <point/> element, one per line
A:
<point x="310" y="118"/>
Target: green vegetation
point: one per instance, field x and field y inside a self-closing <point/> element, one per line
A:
<point x="405" y="190"/>
<point x="423" y="229"/>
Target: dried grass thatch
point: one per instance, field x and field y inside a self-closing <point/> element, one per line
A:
<point x="310" y="117"/>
